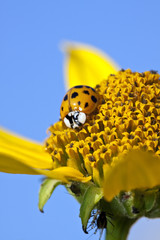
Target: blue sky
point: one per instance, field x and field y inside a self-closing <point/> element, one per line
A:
<point x="32" y="87"/>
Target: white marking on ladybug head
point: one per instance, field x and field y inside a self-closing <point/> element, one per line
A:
<point x="81" y="116"/>
<point x="75" y="119"/>
<point x="67" y="122"/>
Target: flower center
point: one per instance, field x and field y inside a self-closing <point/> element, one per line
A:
<point x="127" y="117"/>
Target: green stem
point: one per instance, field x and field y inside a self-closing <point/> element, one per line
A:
<point x="118" y="229"/>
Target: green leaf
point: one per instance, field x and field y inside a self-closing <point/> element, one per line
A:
<point x="46" y="191"/>
<point x="91" y="198"/>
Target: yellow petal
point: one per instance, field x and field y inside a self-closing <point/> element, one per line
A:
<point x="86" y="65"/>
<point x="96" y="176"/>
<point x="19" y="155"/>
<point x="135" y="170"/>
<point x="65" y="174"/>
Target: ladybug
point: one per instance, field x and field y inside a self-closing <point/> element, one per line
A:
<point x="78" y="102"/>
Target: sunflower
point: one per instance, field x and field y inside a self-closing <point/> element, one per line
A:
<point x="111" y="163"/>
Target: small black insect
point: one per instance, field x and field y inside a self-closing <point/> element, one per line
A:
<point x="102" y="221"/>
<point x="99" y="222"/>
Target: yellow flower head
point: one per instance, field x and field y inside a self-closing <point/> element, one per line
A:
<point x="127" y="118"/>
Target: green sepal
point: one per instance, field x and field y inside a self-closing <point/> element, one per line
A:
<point x="91" y="197"/>
<point x="77" y="190"/>
<point x="118" y="228"/>
<point x="128" y="204"/>
<point x="46" y="190"/>
<point x="149" y="199"/>
<point x="154" y="212"/>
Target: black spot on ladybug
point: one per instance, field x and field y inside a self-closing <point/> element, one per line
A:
<point x="91" y="88"/>
<point x="86" y="92"/>
<point x="79" y="103"/>
<point x="62" y="108"/>
<point x="94" y="99"/>
<point x="74" y="95"/>
<point x="86" y="105"/>
<point x="79" y="86"/>
<point x="65" y="97"/>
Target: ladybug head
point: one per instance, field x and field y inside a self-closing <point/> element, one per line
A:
<point x="75" y="119"/>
